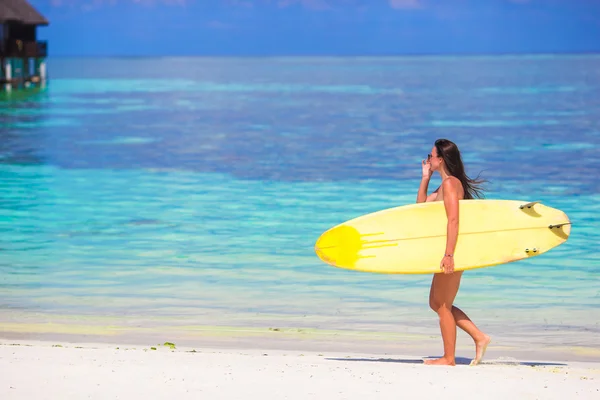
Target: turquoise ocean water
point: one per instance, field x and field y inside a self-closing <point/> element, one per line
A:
<point x="191" y="191"/>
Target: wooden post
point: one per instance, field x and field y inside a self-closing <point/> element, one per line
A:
<point x="8" y="74"/>
<point x="42" y="70"/>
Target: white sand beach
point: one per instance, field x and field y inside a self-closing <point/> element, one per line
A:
<point x="60" y="370"/>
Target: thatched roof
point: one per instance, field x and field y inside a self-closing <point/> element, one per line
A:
<point x="20" y="11"/>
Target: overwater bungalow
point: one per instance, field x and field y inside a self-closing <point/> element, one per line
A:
<point x="22" y="56"/>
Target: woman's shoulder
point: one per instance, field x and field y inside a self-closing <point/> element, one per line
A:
<point x="452" y="183"/>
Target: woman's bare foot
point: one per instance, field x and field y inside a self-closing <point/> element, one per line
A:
<point x="440" y="361"/>
<point x="480" y="348"/>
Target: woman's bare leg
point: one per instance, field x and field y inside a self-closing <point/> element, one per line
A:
<point x="443" y="291"/>
<point x="481" y="339"/>
<point x="461" y="320"/>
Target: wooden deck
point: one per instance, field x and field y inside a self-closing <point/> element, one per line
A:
<point x="21" y="49"/>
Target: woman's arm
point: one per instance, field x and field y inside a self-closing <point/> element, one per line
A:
<point x="422" y="193"/>
<point x="450" y="188"/>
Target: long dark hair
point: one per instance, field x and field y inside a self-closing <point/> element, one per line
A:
<point x="454" y="164"/>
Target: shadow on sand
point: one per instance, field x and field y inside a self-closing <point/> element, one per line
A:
<point x="459" y="361"/>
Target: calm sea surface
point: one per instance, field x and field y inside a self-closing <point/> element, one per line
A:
<point x="191" y="191"/>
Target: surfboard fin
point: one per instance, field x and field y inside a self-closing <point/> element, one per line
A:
<point x="534" y="250"/>
<point x="558" y="225"/>
<point x="529" y="205"/>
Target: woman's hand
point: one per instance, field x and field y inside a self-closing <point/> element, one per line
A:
<point x="427" y="172"/>
<point x="447" y="264"/>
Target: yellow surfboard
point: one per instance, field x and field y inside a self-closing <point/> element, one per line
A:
<point x="412" y="239"/>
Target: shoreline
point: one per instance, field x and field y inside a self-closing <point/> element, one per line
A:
<point x="288" y="339"/>
<point x="110" y="370"/>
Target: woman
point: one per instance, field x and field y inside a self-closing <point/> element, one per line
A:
<point x="456" y="185"/>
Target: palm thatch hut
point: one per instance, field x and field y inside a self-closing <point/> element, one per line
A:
<point x="22" y="56"/>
